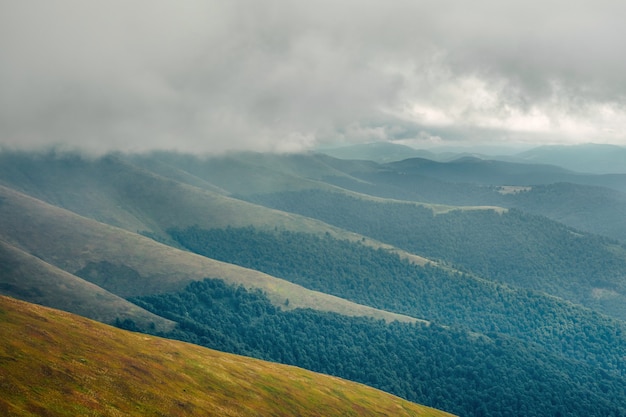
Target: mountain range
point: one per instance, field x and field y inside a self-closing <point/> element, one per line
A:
<point x="585" y="158"/>
<point x="449" y="284"/>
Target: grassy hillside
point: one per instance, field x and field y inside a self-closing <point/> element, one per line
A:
<point x="383" y="280"/>
<point x="243" y="173"/>
<point x="97" y="214"/>
<point x="57" y="364"/>
<point x="117" y="192"/>
<point x="130" y="192"/>
<point x="141" y="265"/>
<point x="151" y="193"/>
<point x="593" y="209"/>
<point x="27" y="277"/>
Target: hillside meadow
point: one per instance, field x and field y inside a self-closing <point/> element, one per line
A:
<point x="58" y="364"/>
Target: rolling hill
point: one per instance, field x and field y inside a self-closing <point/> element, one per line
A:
<point x="27" y="277"/>
<point x="512" y="247"/>
<point x="57" y="364"/>
<point x="151" y="193"/>
<point x="593" y="203"/>
<point x="329" y="248"/>
<point x="142" y="266"/>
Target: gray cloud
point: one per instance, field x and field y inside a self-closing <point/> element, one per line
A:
<point x="286" y="75"/>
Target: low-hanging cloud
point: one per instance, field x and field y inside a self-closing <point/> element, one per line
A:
<point x="279" y="75"/>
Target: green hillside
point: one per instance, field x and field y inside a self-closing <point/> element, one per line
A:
<point x="448" y="368"/>
<point x="522" y="250"/>
<point x="593" y="209"/>
<point x="27" y="277"/>
<point x="384" y="280"/>
<point x="142" y="266"/>
<point x="58" y="364"/>
<point x="150" y="193"/>
<point x="122" y="191"/>
<point x="114" y="191"/>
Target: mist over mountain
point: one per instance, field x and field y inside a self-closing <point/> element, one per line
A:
<point x="591" y="158"/>
<point x="428" y="198"/>
<point x="377" y="151"/>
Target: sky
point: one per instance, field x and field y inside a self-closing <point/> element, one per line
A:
<point x="287" y="75"/>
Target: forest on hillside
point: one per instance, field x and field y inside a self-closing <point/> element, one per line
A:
<point x="381" y="279"/>
<point x="448" y="368"/>
<point x="514" y="247"/>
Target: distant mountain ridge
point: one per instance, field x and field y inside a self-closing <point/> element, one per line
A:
<point x="380" y="152"/>
<point x="475" y="170"/>
<point x="592" y="158"/>
<point x="589" y="158"/>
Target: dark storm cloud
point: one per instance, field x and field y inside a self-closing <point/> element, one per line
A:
<point x="284" y="75"/>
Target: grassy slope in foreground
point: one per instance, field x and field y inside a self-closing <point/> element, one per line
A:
<point x="57" y="364"/>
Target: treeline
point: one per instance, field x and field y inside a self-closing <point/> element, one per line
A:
<point x="516" y="248"/>
<point x="449" y="369"/>
<point x="381" y="279"/>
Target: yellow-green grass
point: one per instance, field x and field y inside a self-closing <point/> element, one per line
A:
<point x="57" y="364"/>
<point x="70" y="242"/>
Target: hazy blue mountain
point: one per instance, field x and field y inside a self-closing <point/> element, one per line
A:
<point x="593" y="158"/>
<point x="469" y="181"/>
<point x="377" y="151"/>
<point x="480" y="171"/>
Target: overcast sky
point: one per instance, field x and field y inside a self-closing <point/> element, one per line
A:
<point x="288" y="75"/>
